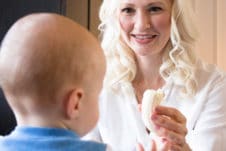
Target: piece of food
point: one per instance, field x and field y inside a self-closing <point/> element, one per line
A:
<point x="151" y="98"/>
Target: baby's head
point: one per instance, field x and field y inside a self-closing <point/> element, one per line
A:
<point x="51" y="72"/>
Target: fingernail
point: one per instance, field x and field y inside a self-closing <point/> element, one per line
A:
<point x="154" y="117"/>
<point x="163" y="139"/>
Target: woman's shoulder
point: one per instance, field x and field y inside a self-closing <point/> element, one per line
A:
<point x="209" y="75"/>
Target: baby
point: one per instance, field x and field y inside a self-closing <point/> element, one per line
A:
<point x="51" y="74"/>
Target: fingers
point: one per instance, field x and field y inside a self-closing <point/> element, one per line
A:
<point x="167" y="123"/>
<point x="176" y="148"/>
<point x="170" y="112"/>
<point x="139" y="147"/>
<point x="179" y="148"/>
<point x="171" y="137"/>
<point x="153" y="146"/>
<point x="165" y="147"/>
<point x="171" y="125"/>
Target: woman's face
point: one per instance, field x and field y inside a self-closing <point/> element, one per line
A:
<point x="145" y="25"/>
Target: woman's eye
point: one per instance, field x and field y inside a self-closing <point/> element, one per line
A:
<point x="127" y="10"/>
<point x="155" y="9"/>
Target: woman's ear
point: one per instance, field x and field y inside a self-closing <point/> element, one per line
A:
<point x="72" y="104"/>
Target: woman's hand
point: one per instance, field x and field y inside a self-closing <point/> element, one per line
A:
<point x="171" y="125"/>
<point x="164" y="148"/>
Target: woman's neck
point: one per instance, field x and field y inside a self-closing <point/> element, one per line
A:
<point x="148" y="76"/>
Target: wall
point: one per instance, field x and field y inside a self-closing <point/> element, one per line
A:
<point x="221" y="31"/>
<point x="11" y="10"/>
<point x="85" y="12"/>
<point x="211" y="21"/>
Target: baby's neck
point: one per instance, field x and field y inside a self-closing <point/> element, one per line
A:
<point x="40" y="121"/>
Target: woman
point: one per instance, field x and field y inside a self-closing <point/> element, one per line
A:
<point x="149" y="45"/>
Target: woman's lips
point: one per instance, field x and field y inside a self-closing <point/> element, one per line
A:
<point x="143" y="39"/>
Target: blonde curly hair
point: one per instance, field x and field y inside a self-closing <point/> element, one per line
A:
<point x="179" y="60"/>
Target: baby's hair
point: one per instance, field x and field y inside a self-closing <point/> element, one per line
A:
<point x="43" y="64"/>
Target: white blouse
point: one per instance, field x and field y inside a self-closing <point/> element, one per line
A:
<point x="121" y="127"/>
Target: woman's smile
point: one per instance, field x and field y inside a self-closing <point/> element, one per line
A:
<point x="143" y="38"/>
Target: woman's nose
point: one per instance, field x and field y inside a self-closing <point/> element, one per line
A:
<point x="142" y="21"/>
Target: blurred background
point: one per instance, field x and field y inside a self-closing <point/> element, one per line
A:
<point x="209" y="17"/>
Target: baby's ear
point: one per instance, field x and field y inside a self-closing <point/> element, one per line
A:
<point x="72" y="104"/>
